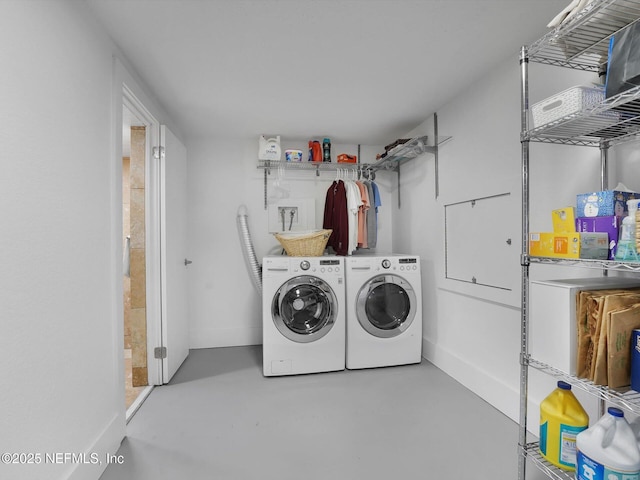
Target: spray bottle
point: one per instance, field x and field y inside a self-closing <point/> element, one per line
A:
<point x="626" y="250"/>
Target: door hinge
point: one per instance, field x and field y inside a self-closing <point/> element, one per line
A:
<point x="160" y="352"/>
<point x="158" y="153"/>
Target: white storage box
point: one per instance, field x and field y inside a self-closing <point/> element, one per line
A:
<point x="552" y="325"/>
<point x="553" y="337"/>
<point x="570" y="101"/>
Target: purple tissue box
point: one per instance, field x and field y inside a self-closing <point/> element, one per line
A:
<point x="610" y="225"/>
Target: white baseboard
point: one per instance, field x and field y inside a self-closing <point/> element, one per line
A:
<point x="503" y="397"/>
<point x="107" y="443"/>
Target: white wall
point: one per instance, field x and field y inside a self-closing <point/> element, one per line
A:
<point x="60" y="251"/>
<point x="224" y="307"/>
<point x="470" y="331"/>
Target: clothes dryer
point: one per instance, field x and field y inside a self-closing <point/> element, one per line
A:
<point x="384" y="311"/>
<point x="303" y="328"/>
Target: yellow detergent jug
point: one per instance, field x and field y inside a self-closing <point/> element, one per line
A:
<point x="561" y="419"/>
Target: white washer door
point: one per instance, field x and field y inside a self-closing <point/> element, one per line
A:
<point x="304" y="309"/>
<point x="385" y="305"/>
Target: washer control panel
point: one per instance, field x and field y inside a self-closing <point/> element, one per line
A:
<point x="317" y="265"/>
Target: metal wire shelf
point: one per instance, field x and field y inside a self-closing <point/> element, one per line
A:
<point x="615" y="120"/>
<point x="582" y="42"/>
<point x="395" y="157"/>
<point x="531" y="451"/>
<point x="622" y="397"/>
<point x="611" y="265"/>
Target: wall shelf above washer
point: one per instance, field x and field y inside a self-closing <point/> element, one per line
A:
<point x="394" y="158"/>
<point x="391" y="162"/>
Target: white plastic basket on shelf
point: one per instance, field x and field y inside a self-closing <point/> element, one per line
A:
<point x="572" y="100"/>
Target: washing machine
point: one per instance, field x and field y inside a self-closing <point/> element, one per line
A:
<point x="304" y="321"/>
<point x="384" y="311"/>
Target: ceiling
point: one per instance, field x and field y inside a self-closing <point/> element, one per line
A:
<point x="357" y="71"/>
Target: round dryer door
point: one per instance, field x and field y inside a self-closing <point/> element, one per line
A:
<point x="385" y="306"/>
<point x="304" y="309"/>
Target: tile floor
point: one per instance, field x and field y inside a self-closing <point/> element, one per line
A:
<point x="219" y="418"/>
<point x="131" y="392"/>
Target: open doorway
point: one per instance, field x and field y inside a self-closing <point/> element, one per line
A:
<point x="134" y="258"/>
<point x="154" y="192"/>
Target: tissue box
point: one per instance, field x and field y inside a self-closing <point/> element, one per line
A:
<point x="610" y="225"/>
<point x="569" y="245"/>
<point x="550" y="244"/>
<point x="604" y="204"/>
<point x="564" y="220"/>
<point x="594" y="245"/>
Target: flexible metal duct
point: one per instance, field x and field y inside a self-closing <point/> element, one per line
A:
<point x="249" y="254"/>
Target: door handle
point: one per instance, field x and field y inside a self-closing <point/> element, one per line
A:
<point x="187" y="262"/>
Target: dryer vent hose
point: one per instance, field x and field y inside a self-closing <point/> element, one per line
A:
<point x="255" y="269"/>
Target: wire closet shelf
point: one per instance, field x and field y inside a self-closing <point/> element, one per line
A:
<point x="393" y="159"/>
<point x="582" y="43"/>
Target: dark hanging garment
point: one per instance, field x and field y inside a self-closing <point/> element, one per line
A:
<point x="335" y="217"/>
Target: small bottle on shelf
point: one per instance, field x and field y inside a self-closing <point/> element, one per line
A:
<point x="326" y="150"/>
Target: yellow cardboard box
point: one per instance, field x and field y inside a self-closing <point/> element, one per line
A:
<point x="564" y="219"/>
<point x="555" y="245"/>
<point x="587" y="245"/>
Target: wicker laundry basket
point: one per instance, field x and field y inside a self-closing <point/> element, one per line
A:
<point x="305" y="244"/>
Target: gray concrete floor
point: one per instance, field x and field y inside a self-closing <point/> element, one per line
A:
<point x="221" y="419"/>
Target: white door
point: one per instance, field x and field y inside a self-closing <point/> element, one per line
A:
<point x="175" y="329"/>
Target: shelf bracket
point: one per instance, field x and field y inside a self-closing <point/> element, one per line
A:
<point x="267" y="171"/>
<point x="399" y="202"/>
<point x="435" y="154"/>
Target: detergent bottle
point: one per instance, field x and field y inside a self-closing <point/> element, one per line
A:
<point x="326" y="150"/>
<point x="626" y="250"/>
<point x="608" y="450"/>
<point x="561" y="419"/>
<point x="269" y="148"/>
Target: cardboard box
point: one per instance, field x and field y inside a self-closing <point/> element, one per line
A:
<point x="555" y="245"/>
<point x="603" y="204"/>
<point x="564" y="220"/>
<point x="610" y="225"/>
<point x="593" y="246"/>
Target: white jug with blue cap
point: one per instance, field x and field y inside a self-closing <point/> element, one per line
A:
<point x="269" y="148"/>
<point x="608" y="450"/>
